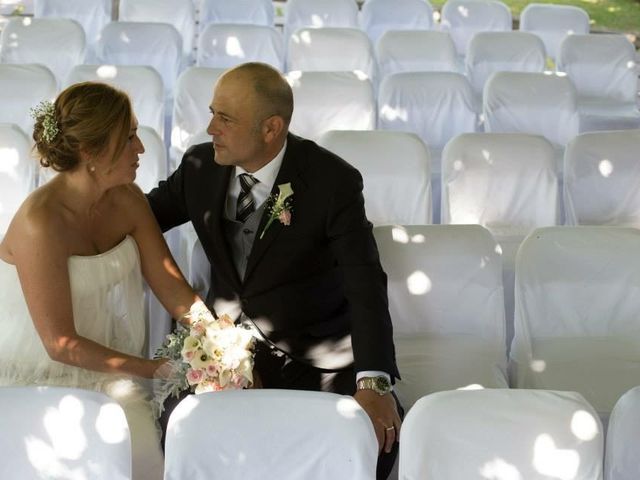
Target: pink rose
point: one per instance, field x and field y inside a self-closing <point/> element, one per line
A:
<point x="285" y="217"/>
<point x="198" y="329"/>
<point x="194" y="376"/>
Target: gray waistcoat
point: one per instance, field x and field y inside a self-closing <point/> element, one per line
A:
<point x="241" y="236"/>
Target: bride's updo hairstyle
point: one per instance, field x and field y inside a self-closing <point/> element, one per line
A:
<point x="89" y="117"/>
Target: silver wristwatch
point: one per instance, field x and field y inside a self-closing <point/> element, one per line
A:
<point x="380" y="384"/>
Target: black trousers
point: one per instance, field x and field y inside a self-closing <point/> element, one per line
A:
<point x="281" y="372"/>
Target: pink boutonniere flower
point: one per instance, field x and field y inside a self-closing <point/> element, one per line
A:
<point x="280" y="208"/>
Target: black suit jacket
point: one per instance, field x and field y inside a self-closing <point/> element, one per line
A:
<point x="315" y="287"/>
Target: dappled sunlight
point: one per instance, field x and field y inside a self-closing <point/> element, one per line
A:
<point x="26" y="21"/>
<point x="107" y="71"/>
<point x="293" y="78"/>
<point x="486" y="154"/>
<point x="317" y="20"/>
<point x="463" y="11"/>
<point x="458" y="165"/>
<point x="400" y="235"/>
<point x="233" y="47"/>
<point x="436" y="16"/>
<point x="605" y="167"/>
<point x="499" y="469"/>
<point x="418" y="283"/>
<point x="538" y="366"/>
<point x="360" y="75"/>
<point x="347" y="408"/>
<point x="631" y="65"/>
<point x="498" y="249"/>
<point x="472" y="386"/>
<point x="124" y="37"/>
<point x="584" y="426"/>
<point x="552" y="461"/>
<point x="418" y="238"/>
<point x="179" y="136"/>
<point x="9" y="159"/>
<point x="391" y="114"/>
<point x="68" y="440"/>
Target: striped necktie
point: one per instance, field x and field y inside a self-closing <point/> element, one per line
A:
<point x="245" y="205"/>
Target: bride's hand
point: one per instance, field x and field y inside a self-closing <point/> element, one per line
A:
<point x="164" y="369"/>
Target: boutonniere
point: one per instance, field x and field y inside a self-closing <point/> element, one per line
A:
<point x="279" y="207"/>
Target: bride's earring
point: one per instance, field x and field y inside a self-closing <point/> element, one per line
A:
<point x="92" y="168"/>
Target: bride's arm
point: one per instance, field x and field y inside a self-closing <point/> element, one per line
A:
<point x="40" y="254"/>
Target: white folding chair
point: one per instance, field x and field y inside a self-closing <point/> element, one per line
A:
<point x="447" y="307"/>
<point x="22" y="87"/>
<point x="577" y="297"/>
<point x="57" y="43"/>
<point x="602" y="172"/>
<point x="314" y="50"/>
<point x="464" y="18"/>
<point x="491" y="52"/>
<point x="330" y="101"/>
<point x="396" y="170"/>
<point x="17" y="172"/>
<point x="143" y="84"/>
<point x="415" y="51"/>
<point x="93" y="15"/>
<point x="227" y="45"/>
<point x="191" y="115"/>
<point x="536" y="103"/>
<point x="282" y="434"/>
<point x="179" y="13"/>
<point x="621" y="453"/>
<point x="379" y="16"/>
<point x="62" y="433"/>
<point x="158" y="45"/>
<point x="502" y="434"/>
<point x="552" y="23"/>
<point x="506" y="182"/>
<point x="315" y="14"/>
<point x="603" y="69"/>
<point x="254" y="12"/>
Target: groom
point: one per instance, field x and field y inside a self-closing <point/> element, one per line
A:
<point x="305" y="272"/>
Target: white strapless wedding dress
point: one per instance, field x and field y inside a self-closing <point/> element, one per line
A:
<point x="107" y="297"/>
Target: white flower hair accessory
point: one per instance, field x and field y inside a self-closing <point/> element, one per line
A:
<point x="45" y="110"/>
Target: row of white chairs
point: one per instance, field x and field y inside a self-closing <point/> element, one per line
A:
<point x="479" y="434"/>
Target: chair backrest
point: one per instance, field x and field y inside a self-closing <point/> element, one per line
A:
<point x="257" y="431"/>
<point x="330" y="101"/>
<point x="577" y="296"/>
<point x="191" y="115"/>
<point x="415" y="51"/>
<point x="255" y="12"/>
<point x="180" y="14"/>
<point x="396" y="170"/>
<point x="314" y="49"/>
<point x="143" y="85"/>
<point x="491" y="52"/>
<point x="621" y="454"/>
<point x="379" y="16"/>
<point x="601" y="176"/>
<point x="600" y="66"/>
<point x="514" y="434"/>
<point x="436" y="106"/>
<point x="22" y="87"/>
<point x="464" y="18"/>
<point x="158" y="45"/>
<point x="553" y="22"/>
<point x="153" y="162"/>
<point x="57" y="432"/>
<point x="535" y="103"/>
<point x="227" y="45"/>
<point x="17" y="172"/>
<point x="314" y="14"/>
<point x="57" y="43"/>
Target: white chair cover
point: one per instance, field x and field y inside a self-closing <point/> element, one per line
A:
<point x="158" y="45"/>
<point x="142" y="84"/>
<point x="13" y="7"/>
<point x="191" y="115"/>
<point x="22" y="87"/>
<point x="502" y="51"/>
<point x="283" y="434"/>
<point x="447" y="307"/>
<point x="379" y="16"/>
<point x="553" y="22"/>
<point x="536" y="103"/>
<point x="57" y="43"/>
<point x="577" y="297"/>
<point x="464" y="18"/>
<point x="314" y="14"/>
<point x="93" y="15"/>
<point x="621" y="452"/>
<point x="255" y="12"/>
<point x="330" y="101"/>
<point x="415" y="51"/>
<point x="227" y="45"/>
<point x="502" y="434"/>
<point x="179" y="13"/>
<point x="17" y="172"/>
<point x="153" y="162"/>
<point x="602" y="173"/>
<point x="396" y="170"/>
<point x="603" y="69"/>
<point x="62" y="433"/>
<point x="314" y="49"/>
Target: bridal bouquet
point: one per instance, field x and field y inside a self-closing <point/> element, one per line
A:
<point x="211" y="354"/>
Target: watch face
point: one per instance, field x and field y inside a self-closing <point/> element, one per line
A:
<point x="382" y="384"/>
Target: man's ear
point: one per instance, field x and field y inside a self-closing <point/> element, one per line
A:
<point x="272" y="128"/>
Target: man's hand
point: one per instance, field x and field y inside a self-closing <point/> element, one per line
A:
<point x="383" y="413"/>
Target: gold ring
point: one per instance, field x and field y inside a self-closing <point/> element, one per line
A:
<point x="390" y="428"/>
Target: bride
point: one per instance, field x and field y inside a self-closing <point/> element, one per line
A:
<point x="71" y="302"/>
